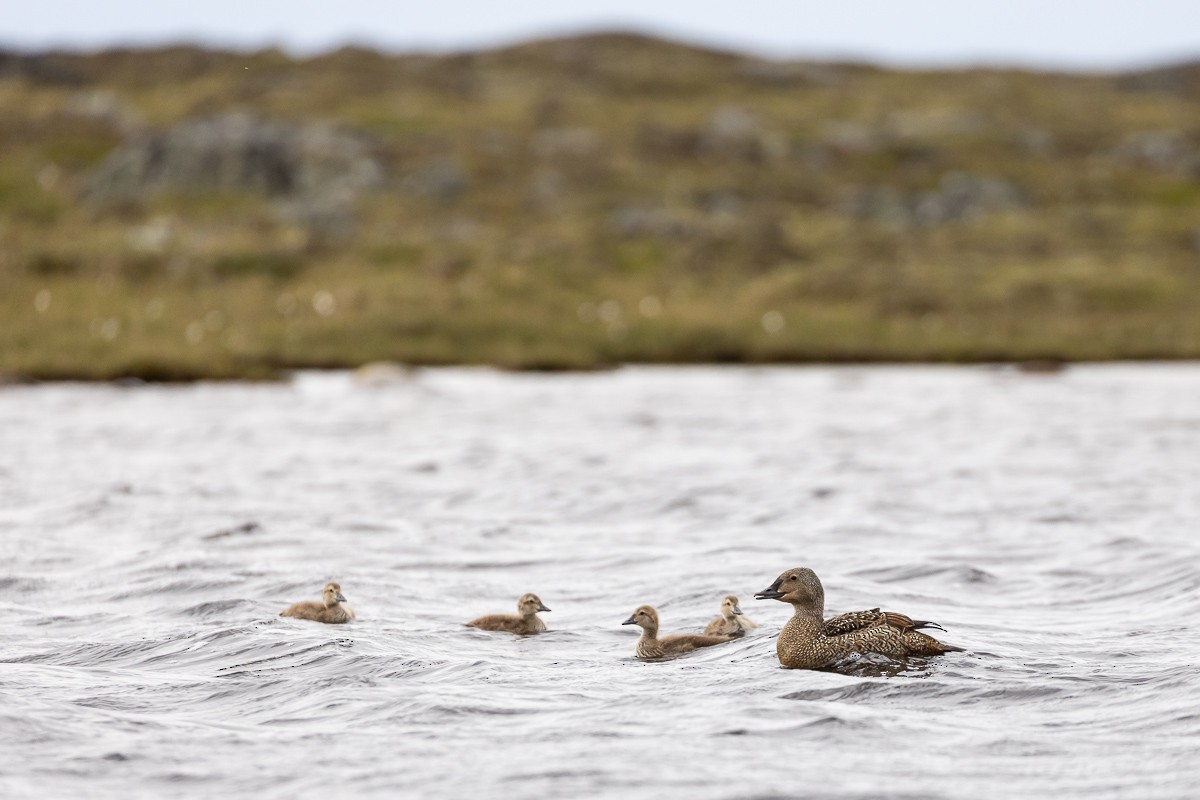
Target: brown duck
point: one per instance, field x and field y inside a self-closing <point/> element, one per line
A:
<point x="330" y="610"/>
<point x="809" y="641"/>
<point x="732" y="621"/>
<point x="525" y="622"/>
<point x="650" y="646"/>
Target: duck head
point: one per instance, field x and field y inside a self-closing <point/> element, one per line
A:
<point x="799" y="586"/>
<point x="332" y="595"/>
<point x="530" y="604"/>
<point x="645" y="618"/>
<point x="730" y="607"/>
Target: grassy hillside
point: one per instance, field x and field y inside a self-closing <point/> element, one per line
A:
<point x="582" y="202"/>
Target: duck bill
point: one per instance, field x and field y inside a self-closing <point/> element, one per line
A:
<point x="542" y="607"/>
<point x="629" y="621"/>
<point x="737" y="611"/>
<point x="770" y="593"/>
<point x="341" y="598"/>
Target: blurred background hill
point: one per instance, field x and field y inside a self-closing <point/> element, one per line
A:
<point x="183" y="212"/>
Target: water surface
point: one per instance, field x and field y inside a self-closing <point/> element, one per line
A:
<point x="151" y="535"/>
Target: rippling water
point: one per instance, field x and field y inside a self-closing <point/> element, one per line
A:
<point x="150" y="537"/>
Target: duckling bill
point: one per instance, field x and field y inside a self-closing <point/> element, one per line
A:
<point x="330" y="610"/>
<point x="525" y="622"/>
<point x="809" y="641"/>
<point x="651" y="646"/>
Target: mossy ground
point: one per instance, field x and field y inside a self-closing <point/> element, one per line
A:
<point x="623" y="200"/>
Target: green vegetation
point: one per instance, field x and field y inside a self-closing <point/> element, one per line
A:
<point x="577" y="203"/>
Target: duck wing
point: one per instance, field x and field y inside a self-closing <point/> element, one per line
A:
<point x="686" y="642"/>
<point x="309" y="609"/>
<point x="497" y="622"/>
<point x="859" y="620"/>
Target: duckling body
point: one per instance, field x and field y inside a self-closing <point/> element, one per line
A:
<point x="330" y="610"/>
<point x="524" y="623"/>
<point x="651" y="646"/>
<point x="809" y="641"/>
<point x="732" y="621"/>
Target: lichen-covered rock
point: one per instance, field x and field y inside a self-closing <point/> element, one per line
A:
<point x="239" y="152"/>
<point x="959" y="196"/>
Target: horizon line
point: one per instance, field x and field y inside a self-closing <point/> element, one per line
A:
<point x="499" y="43"/>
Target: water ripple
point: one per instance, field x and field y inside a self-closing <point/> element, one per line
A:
<point x="1049" y="526"/>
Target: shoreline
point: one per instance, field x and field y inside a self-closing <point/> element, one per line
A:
<point x="382" y="373"/>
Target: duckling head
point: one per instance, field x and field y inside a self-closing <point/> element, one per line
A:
<point x="645" y="618"/>
<point x="332" y="595"/>
<point x="799" y="586"/>
<point x="730" y="607"/>
<point x="530" y="604"/>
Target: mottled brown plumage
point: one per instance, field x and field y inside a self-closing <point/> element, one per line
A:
<point x="854" y="620"/>
<point x="732" y="621"/>
<point x="525" y="622"/>
<point x="330" y="610"/>
<point x="808" y="641"/>
<point x="650" y="646"/>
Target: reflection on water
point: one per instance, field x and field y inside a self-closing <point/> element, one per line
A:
<point x="152" y="535"/>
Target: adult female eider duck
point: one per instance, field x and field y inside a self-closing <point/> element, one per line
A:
<point x="329" y="610"/>
<point x="809" y="641"/>
<point x="732" y="621"/>
<point x="650" y="646"/>
<point x="525" y="622"/>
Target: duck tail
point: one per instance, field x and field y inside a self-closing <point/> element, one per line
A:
<point x="938" y="647"/>
<point x="922" y="644"/>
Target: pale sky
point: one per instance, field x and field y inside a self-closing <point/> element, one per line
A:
<point x="1069" y="34"/>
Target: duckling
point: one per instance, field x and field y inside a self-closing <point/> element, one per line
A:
<point x="526" y="622"/>
<point x="650" y="646"/>
<point x="329" y="610"/>
<point x="809" y="641"/>
<point x="732" y="621"/>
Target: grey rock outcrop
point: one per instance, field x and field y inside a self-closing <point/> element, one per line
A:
<point x="959" y="196"/>
<point x="239" y="152"/>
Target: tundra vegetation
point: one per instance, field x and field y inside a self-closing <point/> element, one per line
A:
<point x="184" y="213"/>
